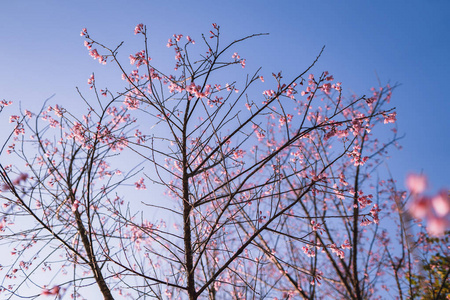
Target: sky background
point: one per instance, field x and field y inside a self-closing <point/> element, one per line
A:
<point x="404" y="42"/>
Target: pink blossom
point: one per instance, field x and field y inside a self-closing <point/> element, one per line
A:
<point x="441" y="203"/>
<point x="269" y="93"/>
<point x="46" y="293"/>
<point x="51" y="292"/>
<point x="22" y="177"/>
<point x="309" y="251"/>
<point x="435" y="209"/>
<point x="316" y="227"/>
<point x="131" y="102"/>
<point x="19" y="130"/>
<point x="140" y="184"/>
<point x="337" y="86"/>
<point x="437" y="226"/>
<point x="14" y="118"/>
<point x="374" y="212"/>
<point x="91" y="81"/>
<point x="139" y="59"/>
<point x="95" y="55"/>
<point x="28" y="113"/>
<point x="5" y="103"/>
<point x="326" y="88"/>
<point x="317" y="278"/>
<point x="346" y="245"/>
<point x="416" y="183"/>
<point x="139" y="28"/>
<point x="177" y="37"/>
<point x="190" y="40"/>
<point x="420" y="207"/>
<point x="238" y="154"/>
<point x="88" y="45"/>
<point x="2" y="225"/>
<point x="390" y="118"/>
<point x="337" y="251"/>
<point x="75" y="205"/>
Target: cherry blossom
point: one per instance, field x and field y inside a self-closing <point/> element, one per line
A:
<point x="416" y="183"/>
<point x="139" y="28"/>
<point x="140" y="184"/>
<point x="435" y="209"/>
<point x="259" y="190"/>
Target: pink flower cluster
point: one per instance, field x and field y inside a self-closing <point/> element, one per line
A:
<point x="75" y="205"/>
<point x="337" y="251"/>
<point x="92" y="52"/>
<point x="50" y="292"/>
<point x="238" y="59"/>
<point x="22" y="177"/>
<point x="355" y="155"/>
<point x="19" y="129"/>
<point x="317" y="278"/>
<point x="317" y="227"/>
<point x="4" y="103"/>
<point x="390" y="118"/>
<point x="309" y="250"/>
<point x="139" y="29"/>
<point x="91" y="81"/>
<point x="140" y="184"/>
<point x="194" y="90"/>
<point x="190" y="40"/>
<point x="139" y="59"/>
<point x="435" y="209"/>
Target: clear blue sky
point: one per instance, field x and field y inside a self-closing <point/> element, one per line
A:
<point x="406" y="42"/>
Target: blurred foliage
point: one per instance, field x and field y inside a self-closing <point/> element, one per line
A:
<point x="434" y="281"/>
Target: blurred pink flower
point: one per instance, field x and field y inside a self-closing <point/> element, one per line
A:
<point x="49" y="292"/>
<point x="437" y="226"/>
<point x="435" y="209"/>
<point x="420" y="207"/>
<point x="441" y="203"/>
<point x="416" y="183"/>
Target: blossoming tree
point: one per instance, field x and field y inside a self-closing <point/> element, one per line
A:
<point x="246" y="188"/>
